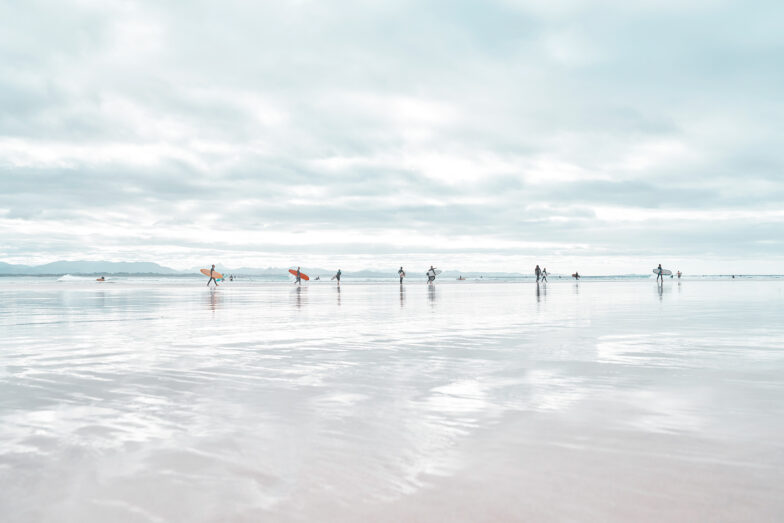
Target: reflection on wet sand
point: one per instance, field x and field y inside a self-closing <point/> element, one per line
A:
<point x="269" y="403"/>
<point x="214" y="298"/>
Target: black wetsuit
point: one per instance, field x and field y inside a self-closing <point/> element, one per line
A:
<point x="401" y="273"/>
<point x="337" y="276"/>
<point x="212" y="278"/>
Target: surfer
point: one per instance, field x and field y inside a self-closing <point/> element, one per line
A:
<point x="576" y="275"/>
<point x="212" y="276"/>
<point x="679" y="275"/>
<point x="299" y="277"/>
<point x="337" y="276"/>
<point x="544" y="274"/>
<point x="101" y="279"/>
<point x="431" y="275"/>
<point x="402" y="274"/>
<point x="538" y="273"/>
<point x="659" y="274"/>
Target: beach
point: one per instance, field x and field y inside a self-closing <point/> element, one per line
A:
<point x="465" y="401"/>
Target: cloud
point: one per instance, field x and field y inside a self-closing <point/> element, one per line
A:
<point x="482" y="131"/>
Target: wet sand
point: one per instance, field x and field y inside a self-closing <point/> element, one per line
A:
<point x="597" y="401"/>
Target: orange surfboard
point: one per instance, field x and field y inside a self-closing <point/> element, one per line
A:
<point x="215" y="274"/>
<point x="302" y="274"/>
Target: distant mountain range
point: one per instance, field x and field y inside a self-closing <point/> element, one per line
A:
<point x="86" y="267"/>
<point x="106" y="267"/>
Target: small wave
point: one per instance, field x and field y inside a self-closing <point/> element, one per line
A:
<point x="70" y="277"/>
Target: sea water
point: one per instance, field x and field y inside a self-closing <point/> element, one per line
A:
<point x="141" y="400"/>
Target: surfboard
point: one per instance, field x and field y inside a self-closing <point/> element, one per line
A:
<point x="302" y="274"/>
<point x="437" y="271"/>
<point x="401" y="274"/>
<point x="333" y="277"/>
<point x="665" y="272"/>
<point x="215" y="274"/>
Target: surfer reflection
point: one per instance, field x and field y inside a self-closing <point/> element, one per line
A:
<point x="214" y="300"/>
<point x="338" y="288"/>
<point x="212" y="276"/>
<point x="402" y="295"/>
<point x="299" y="297"/>
<point x="431" y="294"/>
<point x="538" y="292"/>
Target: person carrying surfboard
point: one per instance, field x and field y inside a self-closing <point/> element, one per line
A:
<point x="544" y="274"/>
<point x="401" y="273"/>
<point x="212" y="276"/>
<point x="298" y="277"/>
<point x="337" y="276"/>
<point x="659" y="274"/>
<point x="431" y="275"/>
<point x="538" y="272"/>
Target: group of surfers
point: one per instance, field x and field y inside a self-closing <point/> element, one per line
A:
<point x="541" y="275"/>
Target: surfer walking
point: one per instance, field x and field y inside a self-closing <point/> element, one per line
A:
<point x="431" y="275"/>
<point x="538" y="273"/>
<point x="659" y="274"/>
<point x="298" y="277"/>
<point x="337" y="276"/>
<point x="402" y="274"/>
<point x="212" y="276"/>
<point x="679" y="274"/>
<point x="544" y="274"/>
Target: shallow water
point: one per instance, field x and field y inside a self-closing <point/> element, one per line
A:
<point x="588" y="401"/>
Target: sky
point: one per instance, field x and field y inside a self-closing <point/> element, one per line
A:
<point x="603" y="136"/>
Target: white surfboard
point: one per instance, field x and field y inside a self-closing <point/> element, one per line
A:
<point x="665" y="272"/>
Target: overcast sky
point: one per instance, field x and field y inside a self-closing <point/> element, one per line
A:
<point x="602" y="136"/>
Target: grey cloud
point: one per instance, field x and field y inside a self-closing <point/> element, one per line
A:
<point x="245" y="101"/>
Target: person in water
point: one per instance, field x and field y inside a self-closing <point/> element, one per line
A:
<point x="212" y="276"/>
<point x="679" y="275"/>
<point x="576" y="275"/>
<point x="298" y="277"/>
<point x="431" y="275"/>
<point x="538" y="273"/>
<point x="659" y="274"/>
<point x="401" y="273"/>
<point x="544" y="274"/>
<point x="337" y="276"/>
